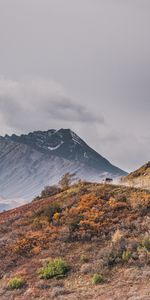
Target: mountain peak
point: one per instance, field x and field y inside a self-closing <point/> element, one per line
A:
<point x="50" y="140"/>
<point x="30" y="161"/>
<point x="66" y="144"/>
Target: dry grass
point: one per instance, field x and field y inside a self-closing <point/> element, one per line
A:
<point x="96" y="229"/>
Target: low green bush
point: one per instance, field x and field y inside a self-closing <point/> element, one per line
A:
<point x="55" y="268"/>
<point x="146" y="243"/>
<point x="126" y="255"/>
<point x="97" y="279"/>
<point x="15" y="283"/>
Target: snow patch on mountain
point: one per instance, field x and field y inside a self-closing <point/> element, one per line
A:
<point x="30" y="161"/>
<point x="75" y="138"/>
<point x="56" y="147"/>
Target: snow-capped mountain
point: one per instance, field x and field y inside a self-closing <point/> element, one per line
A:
<point x="29" y="162"/>
<point x="66" y="144"/>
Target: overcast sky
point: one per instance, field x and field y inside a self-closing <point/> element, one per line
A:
<point x="79" y="64"/>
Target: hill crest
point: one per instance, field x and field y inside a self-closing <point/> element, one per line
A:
<point x="139" y="178"/>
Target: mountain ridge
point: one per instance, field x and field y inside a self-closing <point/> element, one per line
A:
<point x="29" y="162"/>
<point x="64" y="143"/>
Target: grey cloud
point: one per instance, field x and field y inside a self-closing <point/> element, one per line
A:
<point x="66" y="109"/>
<point x="27" y="105"/>
<point x="99" y="51"/>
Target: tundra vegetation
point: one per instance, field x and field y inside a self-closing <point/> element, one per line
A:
<point x="86" y="240"/>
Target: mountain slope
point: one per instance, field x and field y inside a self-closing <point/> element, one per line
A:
<point x="139" y="178"/>
<point x="24" y="170"/>
<point x="65" y="143"/>
<point x="94" y="228"/>
<point x="29" y="162"/>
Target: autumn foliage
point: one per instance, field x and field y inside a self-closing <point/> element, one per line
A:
<point x="88" y="226"/>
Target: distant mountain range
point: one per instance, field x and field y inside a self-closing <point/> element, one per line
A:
<point x="30" y="161"/>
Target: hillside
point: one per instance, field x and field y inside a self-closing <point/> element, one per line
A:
<point x="139" y="178"/>
<point x="29" y="162"/>
<point x="95" y="229"/>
